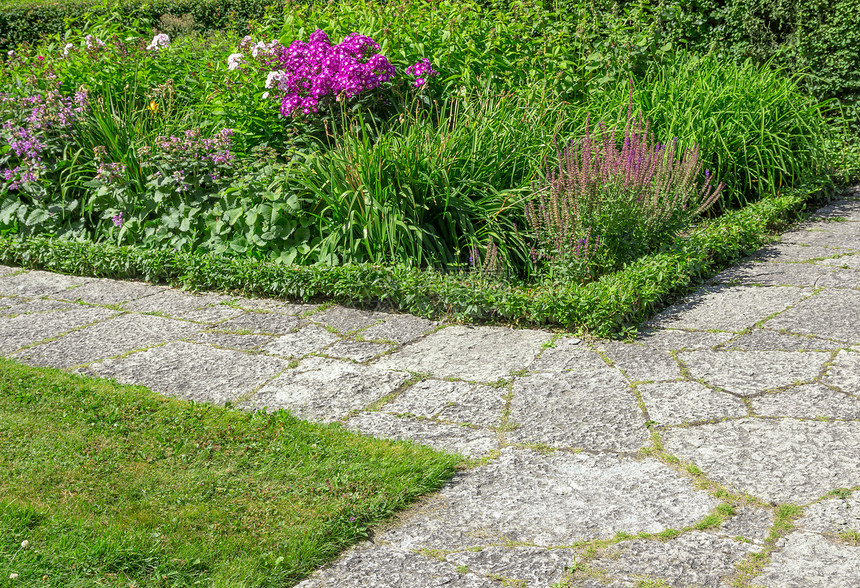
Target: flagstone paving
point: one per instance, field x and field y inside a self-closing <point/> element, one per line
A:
<point x="717" y="449"/>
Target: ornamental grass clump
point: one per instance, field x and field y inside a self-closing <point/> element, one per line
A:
<point x="604" y="204"/>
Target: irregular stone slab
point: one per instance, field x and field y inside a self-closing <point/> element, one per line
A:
<point x="829" y="238"/>
<point x="750" y="523"/>
<point x="845" y="372"/>
<point x="107" y="339"/>
<point x="26" y="329"/>
<point x="385" y="567"/>
<point x="444" y="437"/>
<point x="823" y="315"/>
<point x="808" y="560"/>
<point x="789" y="274"/>
<point x="231" y="340"/>
<point x="261" y="322"/>
<point x="309" y="339"/>
<point x="451" y="401"/>
<point x="834" y="516"/>
<point x="109" y="292"/>
<point x="782" y="460"/>
<point x="808" y="402"/>
<point x="346" y="320"/>
<point x="38" y="283"/>
<point x="675" y="403"/>
<point x="673" y="339"/>
<point x="187" y="305"/>
<point x="518" y="566"/>
<point x="359" y="351"/>
<point x="567" y="355"/>
<point x="400" y="328"/>
<point x="692" y="559"/>
<point x="845" y="261"/>
<point x="593" y="410"/>
<point x="40" y="305"/>
<point x="787" y="252"/>
<point x="5" y="270"/>
<point x="470" y="353"/>
<point x="192" y="371"/>
<point x="842" y="209"/>
<point x="766" y="339"/>
<point x="750" y="372"/>
<point x="729" y="308"/>
<point x="640" y="363"/>
<point x="325" y="390"/>
<point x="7" y="302"/>
<point x="274" y="305"/>
<point x="552" y="500"/>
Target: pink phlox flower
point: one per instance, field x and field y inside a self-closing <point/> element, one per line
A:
<point x="158" y="41"/>
<point x="234" y="61"/>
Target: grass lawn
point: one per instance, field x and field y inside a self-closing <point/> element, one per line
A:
<point x="114" y="485"/>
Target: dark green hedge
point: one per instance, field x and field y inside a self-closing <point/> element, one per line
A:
<point x="602" y="308"/>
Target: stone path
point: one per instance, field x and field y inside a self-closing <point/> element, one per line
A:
<point x="720" y="448"/>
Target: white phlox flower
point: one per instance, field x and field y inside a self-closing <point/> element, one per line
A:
<point x="67" y="48"/>
<point x="93" y="42"/>
<point x="234" y="61"/>
<point x="274" y="78"/>
<point x="158" y="41"/>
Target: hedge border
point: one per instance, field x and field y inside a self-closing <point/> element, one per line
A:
<point x="604" y="308"/>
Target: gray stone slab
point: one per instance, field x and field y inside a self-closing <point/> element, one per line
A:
<point x="107" y="339"/>
<point x="833" y="516"/>
<point x="641" y="363"/>
<point x="273" y="305"/>
<point x="842" y="209"/>
<point x="845" y="372"/>
<point x="7" y="302"/>
<point x="851" y="262"/>
<point x="789" y="274"/>
<point x="326" y="390"/>
<point x="827" y="314"/>
<point x="750" y="372"/>
<point x="675" y="403"/>
<point x="452" y="401"/>
<point x="346" y="320"/>
<point x="814" y="235"/>
<point x="5" y="270"/>
<point x="552" y="500"/>
<point x="359" y="351"/>
<point x="568" y="355"/>
<point x="808" y="560"/>
<point x="749" y="523"/>
<point x="400" y="328"/>
<point x="692" y="559"/>
<point x="231" y="340"/>
<point x="593" y="410"/>
<point x="788" y="252"/>
<point x="466" y="441"/>
<point x="729" y="308"/>
<point x="38" y="283"/>
<point x="472" y="353"/>
<point x="109" y="292"/>
<point x="767" y="339"/>
<point x="261" y="322"/>
<point x="309" y="339"/>
<point x="40" y="305"/>
<point x="192" y="371"/>
<point x="517" y="566"/>
<point x="673" y="339"/>
<point x="385" y="567"/>
<point x="808" y="402"/>
<point x="187" y="305"/>
<point x="783" y="460"/>
<point x="26" y="329"/>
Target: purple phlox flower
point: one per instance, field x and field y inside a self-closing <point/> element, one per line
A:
<point x="117" y="219"/>
<point x="421" y="70"/>
<point x="158" y="41"/>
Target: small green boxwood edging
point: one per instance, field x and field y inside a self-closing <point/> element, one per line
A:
<point x="601" y="308"/>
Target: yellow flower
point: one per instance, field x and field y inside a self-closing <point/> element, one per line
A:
<point x="153" y="106"/>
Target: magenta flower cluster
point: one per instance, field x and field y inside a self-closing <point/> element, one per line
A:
<point x="316" y="70"/>
<point x="421" y="70"/>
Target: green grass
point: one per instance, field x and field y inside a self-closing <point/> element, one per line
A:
<point x="114" y="486"/>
